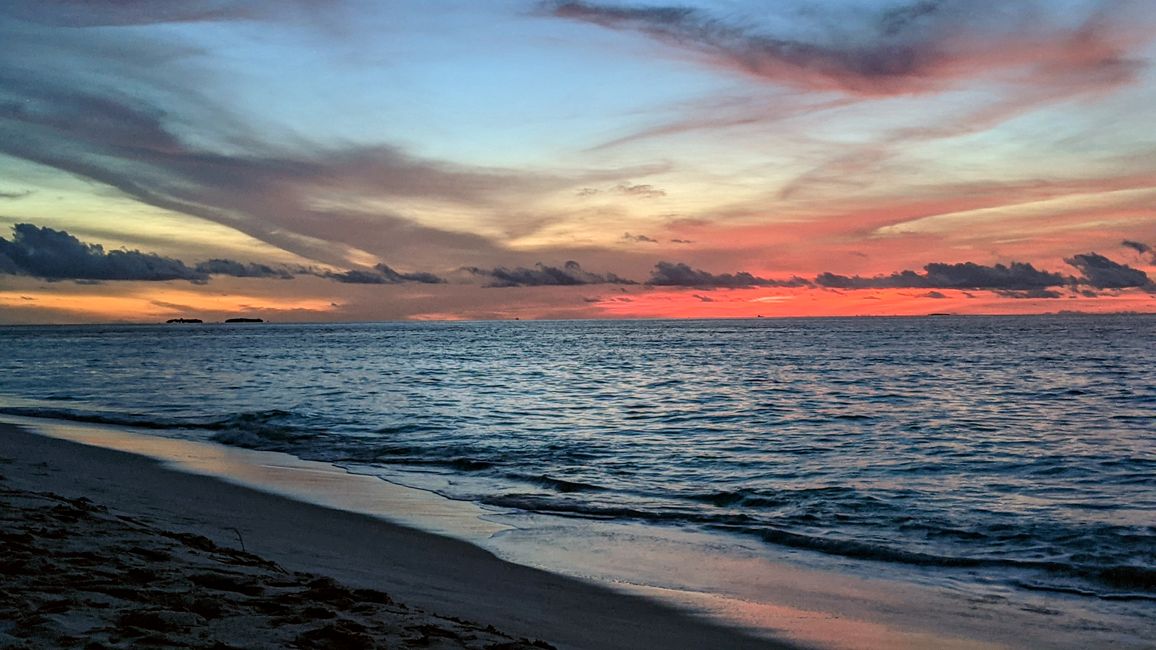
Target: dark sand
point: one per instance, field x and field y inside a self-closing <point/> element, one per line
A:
<point x="103" y="547"/>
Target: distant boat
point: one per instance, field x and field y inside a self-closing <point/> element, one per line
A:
<point x="184" y="320"/>
<point x="244" y="320"/>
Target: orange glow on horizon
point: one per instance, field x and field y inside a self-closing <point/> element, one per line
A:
<point x="155" y="303"/>
<point x="752" y="303"/>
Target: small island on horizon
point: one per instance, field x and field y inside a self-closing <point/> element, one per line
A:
<point x="197" y="321"/>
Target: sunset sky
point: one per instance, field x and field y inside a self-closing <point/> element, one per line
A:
<point x="307" y="160"/>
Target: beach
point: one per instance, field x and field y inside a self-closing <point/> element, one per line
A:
<point x="578" y="324"/>
<point x="112" y="548"/>
<point x="184" y="543"/>
<point x="822" y="484"/>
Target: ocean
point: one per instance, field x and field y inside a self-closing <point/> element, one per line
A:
<point x="1010" y="453"/>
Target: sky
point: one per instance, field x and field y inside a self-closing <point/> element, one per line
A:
<point x="351" y="160"/>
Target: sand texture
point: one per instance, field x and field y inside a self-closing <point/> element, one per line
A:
<point x="100" y="548"/>
<point x="76" y="575"/>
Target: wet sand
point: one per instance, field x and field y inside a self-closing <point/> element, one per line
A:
<point x="105" y="548"/>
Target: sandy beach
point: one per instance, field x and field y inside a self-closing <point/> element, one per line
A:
<point x="113" y="549"/>
<point x="118" y="538"/>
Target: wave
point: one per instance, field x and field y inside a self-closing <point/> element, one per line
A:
<point x="556" y="484"/>
<point x="292" y="432"/>
<point x="853" y="523"/>
<point x="254" y="429"/>
<point x="1138" y="581"/>
<point x="272" y="430"/>
<point x="114" y="419"/>
<point x="586" y="510"/>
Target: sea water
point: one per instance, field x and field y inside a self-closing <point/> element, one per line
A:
<point x="1009" y="451"/>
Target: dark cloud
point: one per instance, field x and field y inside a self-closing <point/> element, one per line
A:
<point x="934" y="294"/>
<point x="57" y="255"/>
<point x="1016" y="280"/>
<point x="681" y="241"/>
<point x="969" y="275"/>
<point x="1139" y="247"/>
<point x="382" y="274"/>
<point x="1017" y="276"/>
<point x="672" y="274"/>
<point x="1102" y="273"/>
<point x="15" y="195"/>
<point x="905" y="279"/>
<point x="1030" y="293"/>
<point x="242" y="269"/>
<point x="8" y="266"/>
<point x="638" y="239"/>
<point x="569" y="274"/>
<point x="914" y="48"/>
<point x="358" y="277"/>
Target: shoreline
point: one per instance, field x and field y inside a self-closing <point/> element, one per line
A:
<point x="444" y="576"/>
<point x="548" y="580"/>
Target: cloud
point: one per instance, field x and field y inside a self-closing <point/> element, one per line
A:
<point x="681" y="241"/>
<point x="919" y="47"/>
<point x="969" y="275"/>
<point x="269" y="195"/>
<point x="569" y="274"/>
<point x="1049" y="294"/>
<point x="672" y="274"/>
<point x="625" y="189"/>
<point x="1139" y="247"/>
<point x="638" y="239"/>
<point x="644" y="191"/>
<point x="1018" y="276"/>
<point x="382" y="274"/>
<point x="106" y="108"/>
<point x="15" y="195"/>
<point x="57" y="255"/>
<point x="715" y="114"/>
<point x="1014" y="280"/>
<point x="242" y="269"/>
<point x="1102" y="273"/>
<point x="102" y="13"/>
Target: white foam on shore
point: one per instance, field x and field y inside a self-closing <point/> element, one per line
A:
<point x="744" y="585"/>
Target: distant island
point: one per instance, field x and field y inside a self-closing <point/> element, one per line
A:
<point x="228" y="320"/>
